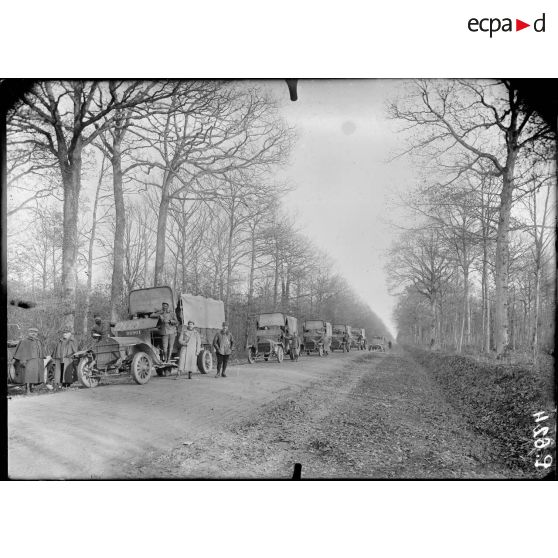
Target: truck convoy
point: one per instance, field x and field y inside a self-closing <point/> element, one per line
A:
<point x="316" y="337"/>
<point x="135" y="347"/>
<point x="270" y="338"/>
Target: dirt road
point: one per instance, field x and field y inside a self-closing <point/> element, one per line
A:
<point x="366" y="415"/>
<point x="98" y="433"/>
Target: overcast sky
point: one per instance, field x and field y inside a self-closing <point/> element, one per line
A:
<point x="342" y="177"/>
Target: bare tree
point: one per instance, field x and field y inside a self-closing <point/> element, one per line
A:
<point x="472" y="123"/>
<point x="196" y="139"/>
<point x="62" y="119"/>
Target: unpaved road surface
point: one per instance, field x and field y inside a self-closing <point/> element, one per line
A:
<point x="364" y="415"/>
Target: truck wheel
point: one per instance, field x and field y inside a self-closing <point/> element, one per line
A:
<point x="251" y="356"/>
<point x="279" y="354"/>
<point x="84" y="373"/>
<point x="205" y="361"/>
<point x="141" y="368"/>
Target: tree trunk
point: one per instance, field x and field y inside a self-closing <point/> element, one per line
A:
<point x="535" y="326"/>
<point x="464" y="320"/>
<point x="433" y="337"/>
<point x="229" y="263"/>
<point x="501" y="318"/>
<point x="161" y="233"/>
<point x="87" y="301"/>
<point x="276" y="278"/>
<point x="71" y="179"/>
<point x="119" y="229"/>
<point x="251" y="283"/>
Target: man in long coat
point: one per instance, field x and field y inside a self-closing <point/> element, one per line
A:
<point x="64" y="371"/>
<point x="29" y="360"/>
<point x="190" y="347"/>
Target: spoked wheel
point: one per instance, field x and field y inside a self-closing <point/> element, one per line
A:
<point x="205" y="361"/>
<point x="279" y="354"/>
<point x="141" y="368"/>
<point x="85" y="371"/>
<point x="251" y="356"/>
<point x="321" y="351"/>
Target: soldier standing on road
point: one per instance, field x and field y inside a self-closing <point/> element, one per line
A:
<point x="223" y="343"/>
<point x="64" y="363"/>
<point x="29" y="360"/>
<point x="345" y="342"/>
<point x="327" y="343"/>
<point x="167" y="329"/>
<point x="190" y="348"/>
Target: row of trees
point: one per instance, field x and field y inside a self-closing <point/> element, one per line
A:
<point x="179" y="190"/>
<point x="477" y="268"/>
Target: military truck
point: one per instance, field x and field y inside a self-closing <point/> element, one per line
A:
<point x="340" y="338"/>
<point x="316" y="337"/>
<point x="377" y="343"/>
<point x="268" y="339"/>
<point x="359" y="337"/>
<point x="134" y="346"/>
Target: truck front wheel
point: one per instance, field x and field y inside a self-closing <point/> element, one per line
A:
<point x="85" y="370"/>
<point x="141" y="368"/>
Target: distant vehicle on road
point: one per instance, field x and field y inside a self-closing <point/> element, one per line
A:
<point x="341" y="337"/>
<point x="135" y="346"/>
<point x="316" y="337"/>
<point x="377" y="343"/>
<point x="269" y="337"/>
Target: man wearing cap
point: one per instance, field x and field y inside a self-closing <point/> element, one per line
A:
<point x="167" y="329"/>
<point x="28" y="360"/>
<point x="190" y="347"/>
<point x="98" y="331"/>
<point x="223" y="343"/>
<point x="64" y="369"/>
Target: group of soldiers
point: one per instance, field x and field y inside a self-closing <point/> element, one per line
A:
<point x="190" y="343"/>
<point x="30" y="359"/>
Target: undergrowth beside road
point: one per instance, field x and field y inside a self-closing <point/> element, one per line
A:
<point x="498" y="401"/>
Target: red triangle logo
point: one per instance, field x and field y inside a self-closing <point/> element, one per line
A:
<point x="519" y="25"/>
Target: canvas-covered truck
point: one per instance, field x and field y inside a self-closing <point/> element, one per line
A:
<point x="269" y="337"/>
<point x="134" y="346"/>
<point x="316" y="337"/>
<point x="341" y="337"/>
<point x="377" y="343"/>
<point x="208" y="316"/>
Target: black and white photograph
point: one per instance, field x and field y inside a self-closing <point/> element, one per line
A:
<point x="280" y="278"/>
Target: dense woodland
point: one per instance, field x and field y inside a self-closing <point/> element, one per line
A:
<point x="119" y="185"/>
<point x="474" y="267"/>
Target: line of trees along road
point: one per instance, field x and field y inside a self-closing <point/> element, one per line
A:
<point x="478" y="268"/>
<point x="179" y="190"/>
